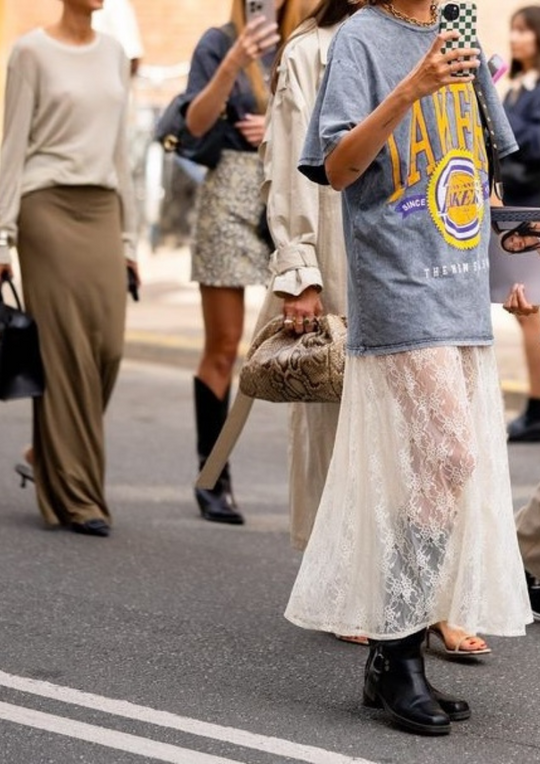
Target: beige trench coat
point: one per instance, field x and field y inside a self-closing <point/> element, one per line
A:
<point x="306" y="224"/>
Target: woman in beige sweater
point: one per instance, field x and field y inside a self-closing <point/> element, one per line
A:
<point x="66" y="204"/>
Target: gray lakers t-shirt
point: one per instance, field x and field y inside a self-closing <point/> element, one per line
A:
<point x="417" y="222"/>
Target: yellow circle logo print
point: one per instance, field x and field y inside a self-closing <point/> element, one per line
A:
<point x="456" y="201"/>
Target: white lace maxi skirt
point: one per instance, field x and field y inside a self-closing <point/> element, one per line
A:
<point x="415" y="523"/>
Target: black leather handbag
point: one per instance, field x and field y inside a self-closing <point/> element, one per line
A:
<point x="171" y="131"/>
<point x="21" y="368"/>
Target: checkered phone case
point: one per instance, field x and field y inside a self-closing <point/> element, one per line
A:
<point x="462" y="18"/>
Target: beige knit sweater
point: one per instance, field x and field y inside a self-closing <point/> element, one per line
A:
<point x="65" y="124"/>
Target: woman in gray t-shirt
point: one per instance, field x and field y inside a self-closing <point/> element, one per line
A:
<point x="415" y="524"/>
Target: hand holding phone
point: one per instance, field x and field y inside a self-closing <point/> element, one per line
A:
<point x="461" y="18"/>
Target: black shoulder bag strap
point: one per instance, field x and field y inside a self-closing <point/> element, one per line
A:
<point x="492" y="147"/>
<point x="500" y="216"/>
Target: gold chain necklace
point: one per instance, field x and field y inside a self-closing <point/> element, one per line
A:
<point x="389" y="6"/>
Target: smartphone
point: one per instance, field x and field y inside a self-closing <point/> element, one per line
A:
<point x="266" y="8"/>
<point x="234" y="114"/>
<point x="132" y="283"/>
<point x="460" y="17"/>
<point x="497" y="67"/>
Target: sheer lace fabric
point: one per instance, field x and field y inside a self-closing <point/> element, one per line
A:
<point x="415" y="523"/>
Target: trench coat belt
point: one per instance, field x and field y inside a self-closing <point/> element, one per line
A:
<point x="230" y="432"/>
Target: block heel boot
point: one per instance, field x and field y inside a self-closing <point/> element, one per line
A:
<point x="216" y="504"/>
<point x="395" y="680"/>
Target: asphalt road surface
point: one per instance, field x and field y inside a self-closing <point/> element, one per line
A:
<point x="166" y="642"/>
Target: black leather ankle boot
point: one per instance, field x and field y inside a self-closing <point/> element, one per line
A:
<point x="457" y="709"/>
<point x="395" y="680"/>
<point x="216" y="504"/>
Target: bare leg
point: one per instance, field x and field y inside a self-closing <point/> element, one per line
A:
<point x="223" y="316"/>
<point x="223" y="313"/>
<point x="442" y="458"/>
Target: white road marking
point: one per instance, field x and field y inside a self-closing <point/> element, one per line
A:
<point x="120" y="741"/>
<point x="127" y="710"/>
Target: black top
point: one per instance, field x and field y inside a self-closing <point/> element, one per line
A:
<point x="521" y="171"/>
<point x="207" y="56"/>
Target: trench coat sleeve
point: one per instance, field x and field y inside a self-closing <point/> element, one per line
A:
<point x="292" y="200"/>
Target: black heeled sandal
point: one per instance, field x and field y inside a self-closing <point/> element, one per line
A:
<point x="96" y="527"/>
<point x="26" y="473"/>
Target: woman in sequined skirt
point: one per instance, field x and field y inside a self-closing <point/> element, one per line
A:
<point x="229" y="80"/>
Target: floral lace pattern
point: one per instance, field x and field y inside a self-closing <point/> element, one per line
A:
<point x="415" y="523"/>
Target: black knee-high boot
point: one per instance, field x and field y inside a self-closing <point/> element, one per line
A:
<point x="217" y="504"/>
<point x="395" y="680"/>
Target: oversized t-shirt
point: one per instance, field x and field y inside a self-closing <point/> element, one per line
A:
<point x="417" y="221"/>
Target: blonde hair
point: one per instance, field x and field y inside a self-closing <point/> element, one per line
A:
<point x="289" y="17"/>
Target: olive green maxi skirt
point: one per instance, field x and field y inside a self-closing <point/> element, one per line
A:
<point x="74" y="284"/>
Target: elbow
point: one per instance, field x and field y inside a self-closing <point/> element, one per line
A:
<point x="338" y="184"/>
<point x="194" y="125"/>
<point x="196" y="133"/>
<point x="194" y="128"/>
<point x="336" y="179"/>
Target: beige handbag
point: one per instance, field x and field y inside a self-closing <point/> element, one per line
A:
<point x="283" y="367"/>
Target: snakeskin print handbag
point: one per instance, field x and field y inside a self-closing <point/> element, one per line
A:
<point x="282" y="367"/>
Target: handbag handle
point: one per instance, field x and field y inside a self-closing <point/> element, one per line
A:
<point x="491" y="144"/>
<point x="13" y="291"/>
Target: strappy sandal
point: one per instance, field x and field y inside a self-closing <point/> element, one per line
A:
<point x="455" y="651"/>
<point x="523" y="229"/>
<point x="25" y="469"/>
<point x="25" y="472"/>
